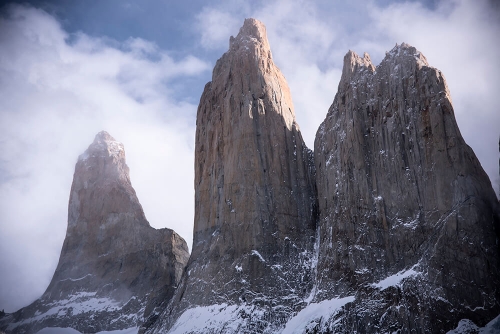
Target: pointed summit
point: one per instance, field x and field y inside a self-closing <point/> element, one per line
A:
<point x="101" y="184"/>
<point x="408" y="218"/>
<point x="354" y="64"/>
<point x="255" y="201"/>
<point x="114" y="268"/>
<point x="252" y="33"/>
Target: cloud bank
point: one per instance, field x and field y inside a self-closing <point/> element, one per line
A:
<point x="58" y="91"/>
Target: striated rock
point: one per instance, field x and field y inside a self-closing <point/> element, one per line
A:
<point x="114" y="267"/>
<point x="255" y="202"/>
<point x="409" y="220"/>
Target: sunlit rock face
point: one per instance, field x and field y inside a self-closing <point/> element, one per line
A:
<point x="409" y="220"/>
<point x="114" y="267"/>
<point x="255" y="202"/>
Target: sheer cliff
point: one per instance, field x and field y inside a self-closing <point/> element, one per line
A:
<point x="407" y="234"/>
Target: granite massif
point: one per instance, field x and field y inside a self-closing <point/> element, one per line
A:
<point x="391" y="225"/>
<point x="393" y="228"/>
<point x="255" y="195"/>
<point x="402" y="195"/>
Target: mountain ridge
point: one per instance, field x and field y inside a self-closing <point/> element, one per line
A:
<point x="390" y="225"/>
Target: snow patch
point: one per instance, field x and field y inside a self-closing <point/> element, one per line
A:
<point x="58" y="330"/>
<point x="312" y="314"/>
<point x="208" y="319"/>
<point x="132" y="330"/>
<point x="396" y="278"/>
<point x="466" y="326"/>
<point x="78" y="303"/>
<point x="254" y="252"/>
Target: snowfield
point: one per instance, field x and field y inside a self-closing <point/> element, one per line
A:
<point x="312" y="314"/>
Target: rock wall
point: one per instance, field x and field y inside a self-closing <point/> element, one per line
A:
<point x="402" y="195"/>
<point x="255" y="202"/>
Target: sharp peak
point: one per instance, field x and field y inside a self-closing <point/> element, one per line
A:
<point x="104" y="145"/>
<point x="353" y="56"/>
<point x="405" y="50"/>
<point x="252" y="31"/>
<point x="353" y="62"/>
<point x="103" y="136"/>
<point x="253" y="28"/>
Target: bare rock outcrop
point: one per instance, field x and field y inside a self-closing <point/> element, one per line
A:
<point x="255" y="203"/>
<point x="114" y="267"/>
<point x="409" y="220"/>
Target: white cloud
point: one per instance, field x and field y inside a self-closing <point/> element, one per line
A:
<point x="216" y="26"/>
<point x="55" y="96"/>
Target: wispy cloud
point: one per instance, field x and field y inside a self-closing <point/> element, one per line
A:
<point x="216" y="26"/>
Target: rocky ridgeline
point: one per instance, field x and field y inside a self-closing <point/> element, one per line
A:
<point x="406" y="237"/>
<point x="114" y="267"/>
<point x="391" y="225"/>
<point x="402" y="195"/>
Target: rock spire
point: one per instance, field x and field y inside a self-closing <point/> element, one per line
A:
<point x="255" y="203"/>
<point x="114" y="267"/>
<point x="402" y="197"/>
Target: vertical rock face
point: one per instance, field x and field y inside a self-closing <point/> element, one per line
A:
<point x="409" y="220"/>
<point x="114" y="267"/>
<point x="255" y="203"/>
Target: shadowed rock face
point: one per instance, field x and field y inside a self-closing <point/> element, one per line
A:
<point x="401" y="192"/>
<point x="407" y="236"/>
<point x="114" y="267"/>
<point x="255" y="204"/>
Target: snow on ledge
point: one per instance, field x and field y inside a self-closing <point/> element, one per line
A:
<point x="315" y="311"/>
<point x="396" y="278"/>
<point x="467" y="326"/>
<point x="207" y="319"/>
<point x="254" y="252"/>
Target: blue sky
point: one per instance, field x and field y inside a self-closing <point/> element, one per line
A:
<point x="69" y="69"/>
